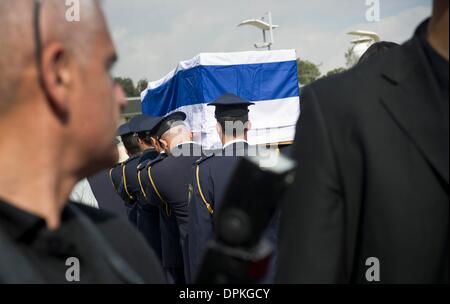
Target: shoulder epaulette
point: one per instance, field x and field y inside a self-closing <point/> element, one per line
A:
<point x="143" y="165"/>
<point x="130" y="159"/>
<point x="117" y="165"/>
<point x="203" y="159"/>
<point x="160" y="158"/>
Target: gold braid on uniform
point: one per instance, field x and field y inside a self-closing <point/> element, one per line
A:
<point x="208" y="205"/>
<point x="168" y="211"/>
<point x="112" y="181"/>
<point x="124" y="177"/>
<point x="140" y="184"/>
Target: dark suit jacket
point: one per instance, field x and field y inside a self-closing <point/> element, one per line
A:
<point x="118" y="254"/>
<point x="373" y="152"/>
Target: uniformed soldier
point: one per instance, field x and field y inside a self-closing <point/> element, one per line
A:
<point x="116" y="173"/>
<point x="145" y="217"/>
<point x="211" y="174"/>
<point x="148" y="221"/>
<point x="167" y="185"/>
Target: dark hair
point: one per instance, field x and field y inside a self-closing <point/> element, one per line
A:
<point x="131" y="144"/>
<point x="146" y="137"/>
<point x="234" y="132"/>
<point x="376" y="49"/>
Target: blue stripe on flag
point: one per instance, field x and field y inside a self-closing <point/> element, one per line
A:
<point x="204" y="84"/>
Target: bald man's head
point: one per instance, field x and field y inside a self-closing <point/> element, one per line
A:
<point x="17" y="50"/>
<point x="67" y="91"/>
<point x="174" y="136"/>
<point x="77" y="35"/>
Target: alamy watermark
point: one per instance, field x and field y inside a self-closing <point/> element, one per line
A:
<point x="373" y="12"/>
<point x="73" y="12"/>
<point x="73" y="270"/>
<point x="373" y="270"/>
<point x="267" y="154"/>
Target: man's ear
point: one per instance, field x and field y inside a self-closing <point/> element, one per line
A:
<point x="219" y="132"/>
<point x="155" y="144"/>
<point x="219" y="129"/>
<point x="57" y="77"/>
<point x="248" y="125"/>
<point x="164" y="144"/>
<point x="139" y="140"/>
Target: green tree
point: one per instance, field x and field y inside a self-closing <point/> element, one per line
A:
<point x="307" y="71"/>
<point x="336" y="71"/>
<point x="350" y="59"/>
<point x="127" y="86"/>
<point x="141" y="85"/>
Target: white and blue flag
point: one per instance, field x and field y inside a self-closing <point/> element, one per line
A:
<point x="267" y="78"/>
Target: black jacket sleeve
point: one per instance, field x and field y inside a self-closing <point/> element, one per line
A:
<point x="312" y="227"/>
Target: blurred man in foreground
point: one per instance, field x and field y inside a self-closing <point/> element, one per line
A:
<point x="54" y="81"/>
<point x="370" y="203"/>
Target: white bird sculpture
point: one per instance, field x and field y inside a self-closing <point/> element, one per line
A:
<point x="262" y="25"/>
<point x="361" y="44"/>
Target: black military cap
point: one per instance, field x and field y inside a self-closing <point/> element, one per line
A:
<point x="143" y="123"/>
<point x="230" y="105"/>
<point x="124" y="130"/>
<point x="168" y="122"/>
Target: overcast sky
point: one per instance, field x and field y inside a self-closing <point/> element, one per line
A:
<point x="152" y="36"/>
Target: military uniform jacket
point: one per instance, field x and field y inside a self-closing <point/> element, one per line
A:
<point x="145" y="217"/>
<point x="209" y="178"/>
<point x="167" y="183"/>
<point x="117" y="174"/>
